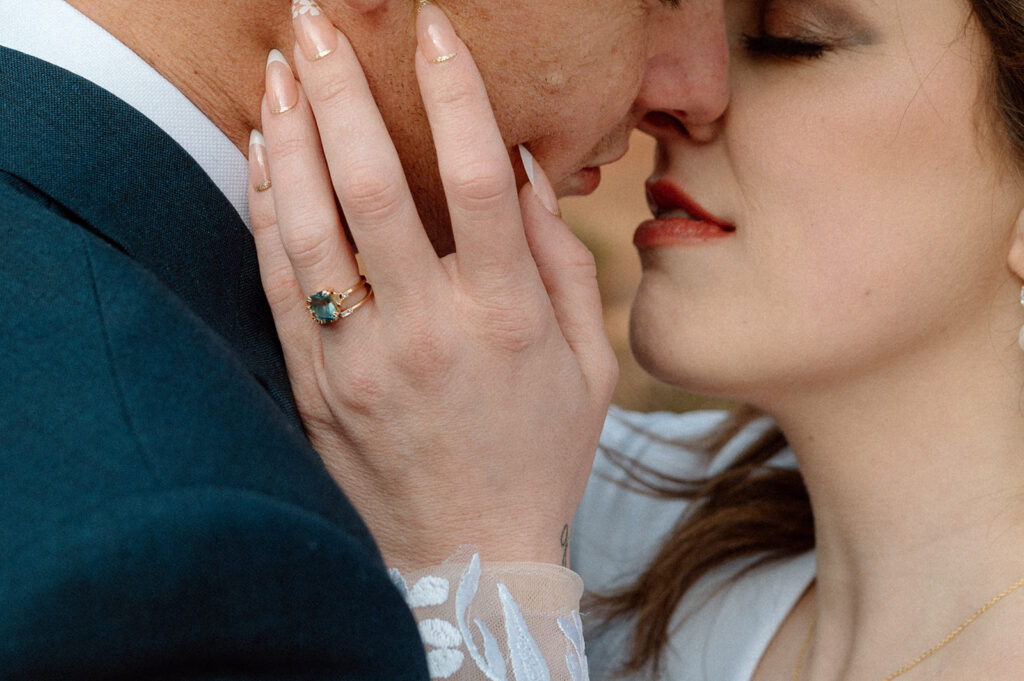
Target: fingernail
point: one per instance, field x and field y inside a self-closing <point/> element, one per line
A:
<point x="259" y="169"/>
<point x="282" y="92"/>
<point x="539" y="181"/>
<point x="436" y="36"/>
<point x="314" y="31"/>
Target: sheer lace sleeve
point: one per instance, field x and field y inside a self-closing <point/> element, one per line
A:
<point x="498" y="621"/>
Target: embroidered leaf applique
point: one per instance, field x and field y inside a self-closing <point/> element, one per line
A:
<point x="429" y="591"/>
<point x="527" y="660"/>
<point x="464" y="596"/>
<point x="440" y="634"/>
<point x="444" y="640"/>
<point x="442" y="663"/>
<point x="575" y="661"/>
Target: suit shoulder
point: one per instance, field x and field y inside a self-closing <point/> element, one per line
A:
<point x="114" y="387"/>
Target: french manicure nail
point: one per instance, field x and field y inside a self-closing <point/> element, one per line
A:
<point x="282" y="91"/>
<point x="316" y="34"/>
<point x="540" y="182"/>
<point x="258" y="165"/>
<point x="436" y="36"/>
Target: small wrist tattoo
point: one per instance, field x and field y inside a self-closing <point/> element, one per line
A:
<point x="565" y="546"/>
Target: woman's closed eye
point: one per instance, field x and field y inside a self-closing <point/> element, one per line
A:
<point x="780" y="47"/>
<point x="806" y="29"/>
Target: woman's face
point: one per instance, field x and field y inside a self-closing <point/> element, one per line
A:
<point x="872" y="199"/>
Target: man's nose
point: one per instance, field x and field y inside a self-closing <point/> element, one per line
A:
<point x="687" y="76"/>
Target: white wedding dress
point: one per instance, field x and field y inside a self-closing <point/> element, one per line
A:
<point x="521" y="622"/>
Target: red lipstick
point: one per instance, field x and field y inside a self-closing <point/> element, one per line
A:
<point x="679" y="220"/>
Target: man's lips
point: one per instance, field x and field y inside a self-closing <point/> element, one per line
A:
<point x="581" y="183"/>
<point x="586" y="180"/>
<point x="679" y="220"/>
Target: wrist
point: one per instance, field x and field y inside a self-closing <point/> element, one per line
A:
<point x="548" y="545"/>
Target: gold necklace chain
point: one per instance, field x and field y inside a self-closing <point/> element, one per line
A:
<point x="923" y="656"/>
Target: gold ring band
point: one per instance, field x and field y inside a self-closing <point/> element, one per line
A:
<point x="362" y="301"/>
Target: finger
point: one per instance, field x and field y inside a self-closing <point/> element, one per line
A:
<point x="569" y="274"/>
<point x="287" y="302"/>
<point x="478" y="178"/>
<point x="364" y="166"/>
<point x="307" y="214"/>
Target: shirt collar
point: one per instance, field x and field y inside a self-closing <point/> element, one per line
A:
<point x="56" y="32"/>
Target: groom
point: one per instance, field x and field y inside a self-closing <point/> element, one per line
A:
<point x="161" y="513"/>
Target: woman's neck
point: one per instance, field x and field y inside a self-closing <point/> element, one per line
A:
<point x="916" y="477"/>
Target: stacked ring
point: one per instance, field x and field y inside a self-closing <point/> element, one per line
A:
<point x="328" y="306"/>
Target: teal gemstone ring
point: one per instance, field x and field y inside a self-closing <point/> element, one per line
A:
<point x="328" y="306"/>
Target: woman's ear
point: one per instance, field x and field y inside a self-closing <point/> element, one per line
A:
<point x="1016" y="257"/>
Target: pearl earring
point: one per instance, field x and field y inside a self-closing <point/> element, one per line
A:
<point x="1020" y="338"/>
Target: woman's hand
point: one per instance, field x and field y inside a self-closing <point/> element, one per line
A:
<point x="462" y="402"/>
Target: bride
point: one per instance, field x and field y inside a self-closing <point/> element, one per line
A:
<point x="842" y="249"/>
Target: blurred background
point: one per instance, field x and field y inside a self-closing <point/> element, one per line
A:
<point x="605" y="222"/>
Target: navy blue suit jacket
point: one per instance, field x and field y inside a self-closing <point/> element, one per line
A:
<point x="162" y="515"/>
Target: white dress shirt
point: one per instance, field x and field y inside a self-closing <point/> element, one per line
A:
<point x="56" y="32"/>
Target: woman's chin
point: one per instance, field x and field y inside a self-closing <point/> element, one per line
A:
<point x="699" y="353"/>
<point x="679" y="362"/>
<point x="683" y="331"/>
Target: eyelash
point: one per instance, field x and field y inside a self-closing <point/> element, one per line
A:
<point x="765" y="45"/>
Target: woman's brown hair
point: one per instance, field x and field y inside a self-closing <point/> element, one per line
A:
<point x="752" y="510"/>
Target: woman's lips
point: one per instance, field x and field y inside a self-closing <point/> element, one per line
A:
<point x="679" y="220"/>
<point x="676" y="232"/>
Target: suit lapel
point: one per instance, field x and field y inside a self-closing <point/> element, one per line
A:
<point x="126" y="180"/>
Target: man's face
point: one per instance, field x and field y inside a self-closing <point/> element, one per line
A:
<point x="569" y="79"/>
